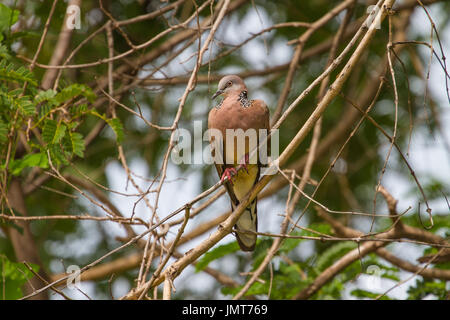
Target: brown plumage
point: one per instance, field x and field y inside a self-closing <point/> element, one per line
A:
<point x="237" y="112"/>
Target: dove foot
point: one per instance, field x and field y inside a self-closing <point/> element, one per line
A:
<point x="228" y="173"/>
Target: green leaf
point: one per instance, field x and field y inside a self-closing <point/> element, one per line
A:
<point x="230" y="290"/>
<point x="425" y="287"/>
<point x="25" y="106"/>
<point x="319" y="227"/>
<point x="98" y="115"/>
<point x="77" y="142"/>
<point x="216" y="253"/>
<point x="30" y="160"/>
<point x="13" y="101"/>
<point x="262" y="246"/>
<point x="13" y="276"/>
<point x="80" y="110"/>
<point x="285" y="281"/>
<point x="8" y="72"/>
<point x="53" y="131"/>
<point x="334" y="252"/>
<point x="59" y="133"/>
<point x="289" y="243"/>
<point x="3" y="132"/>
<point x="4" y="53"/>
<point x="73" y="144"/>
<point x="117" y="127"/>
<point x="45" y="95"/>
<point x="359" y="293"/>
<point x="7" y="17"/>
<point x="114" y="123"/>
<point x="255" y="288"/>
<point x="49" y="130"/>
<point x="24" y="34"/>
<point x="57" y="154"/>
<point x="73" y="91"/>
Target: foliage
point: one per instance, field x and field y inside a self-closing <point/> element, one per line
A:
<point x="7" y="18"/>
<point x="360" y="293"/>
<point x="13" y="277"/>
<point x="423" y="288"/>
<point x="50" y="112"/>
<point x="216" y="253"/>
<point x="70" y="127"/>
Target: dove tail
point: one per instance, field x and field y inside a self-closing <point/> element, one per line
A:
<point x="248" y="221"/>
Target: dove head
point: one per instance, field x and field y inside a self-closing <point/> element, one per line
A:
<point x="230" y="85"/>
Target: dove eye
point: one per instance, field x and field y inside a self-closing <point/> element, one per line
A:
<point x="229" y="83"/>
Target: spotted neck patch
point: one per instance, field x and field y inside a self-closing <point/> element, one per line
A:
<point x="220" y="104"/>
<point x="243" y="100"/>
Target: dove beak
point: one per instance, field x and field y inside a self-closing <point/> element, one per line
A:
<point x="218" y="93"/>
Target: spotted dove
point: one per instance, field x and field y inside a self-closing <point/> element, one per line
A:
<point x="240" y="167"/>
